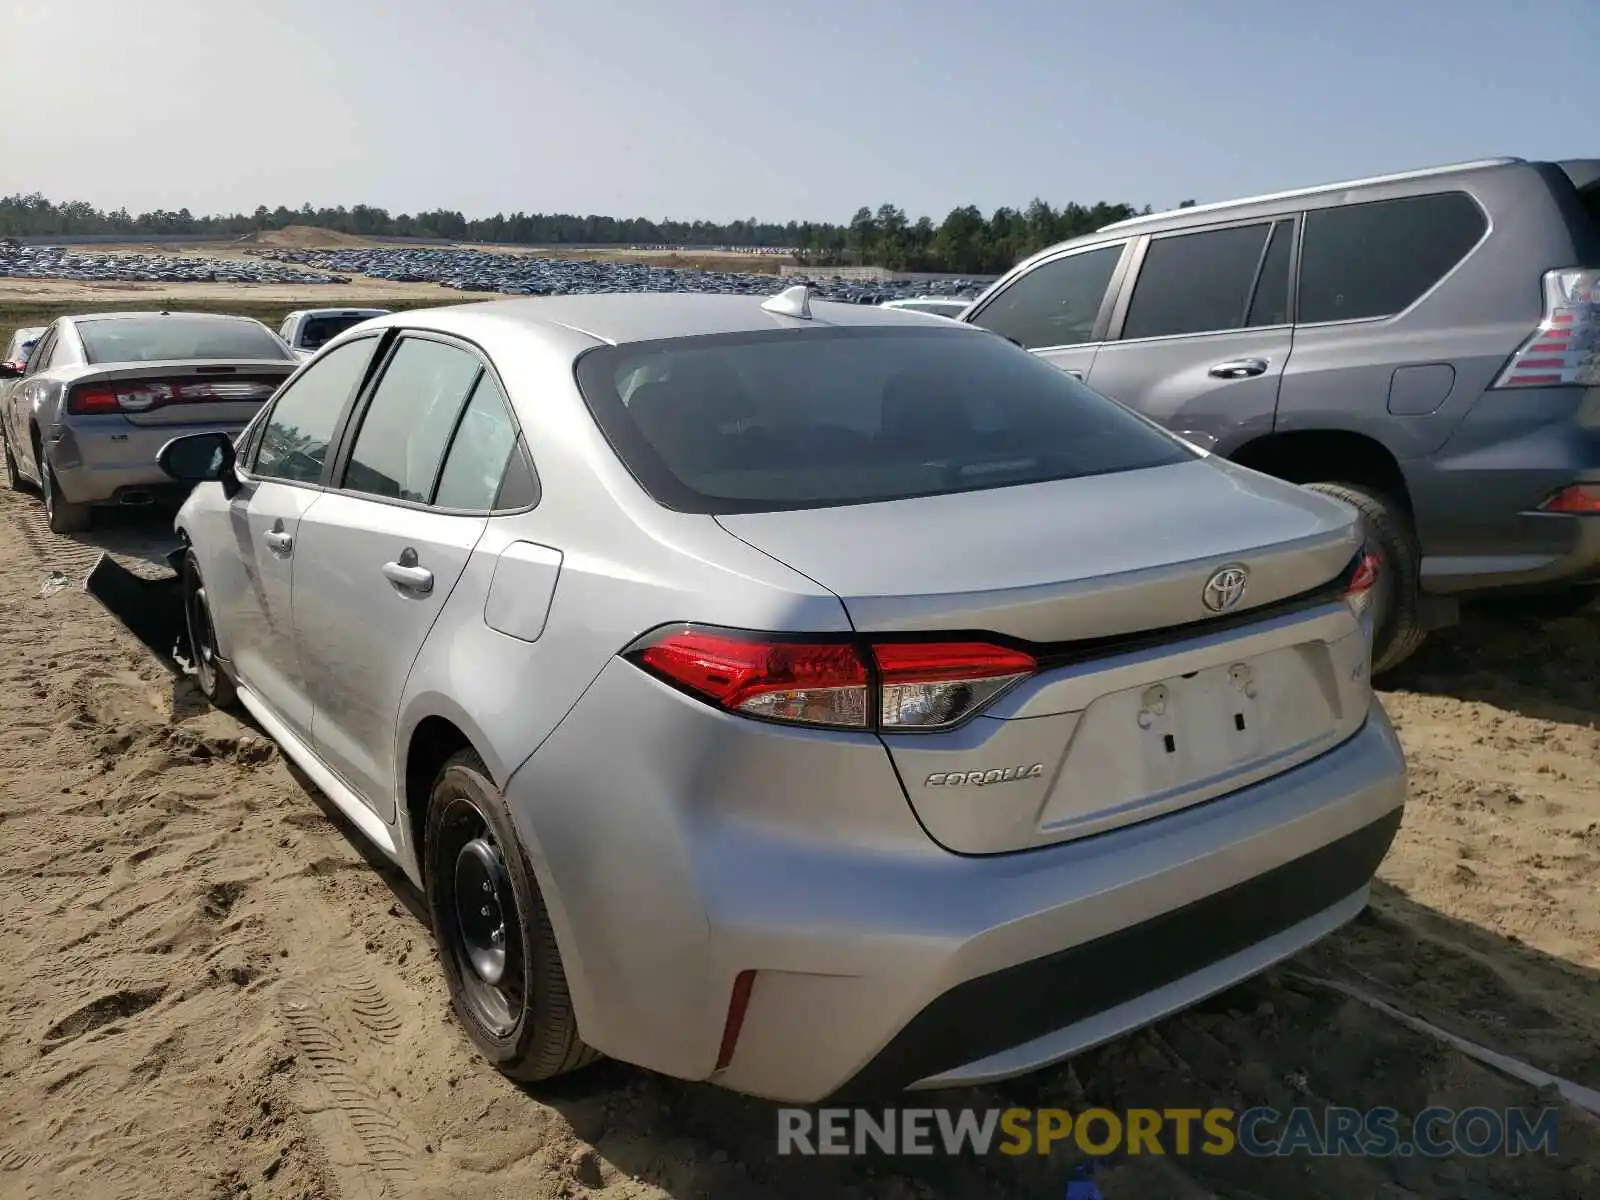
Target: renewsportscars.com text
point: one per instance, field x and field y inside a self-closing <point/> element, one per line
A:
<point x="1259" y="1132"/>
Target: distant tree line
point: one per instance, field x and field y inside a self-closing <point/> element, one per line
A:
<point x="966" y="241"/>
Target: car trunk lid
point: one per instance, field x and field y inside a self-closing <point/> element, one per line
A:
<point x="180" y="392"/>
<point x="1148" y="698"/>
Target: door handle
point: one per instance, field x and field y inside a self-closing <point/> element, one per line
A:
<point x="407" y="574"/>
<point x="1239" y="368"/>
<point x="1074" y="372"/>
<point x="279" y="541"/>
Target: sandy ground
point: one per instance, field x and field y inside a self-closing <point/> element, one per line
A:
<point x="206" y="990"/>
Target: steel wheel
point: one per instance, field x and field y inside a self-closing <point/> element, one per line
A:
<point x="483" y="934"/>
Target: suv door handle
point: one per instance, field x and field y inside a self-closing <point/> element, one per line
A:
<point x="1074" y="372"/>
<point x="407" y="575"/>
<point x="280" y="541"/>
<point x="1239" y="368"/>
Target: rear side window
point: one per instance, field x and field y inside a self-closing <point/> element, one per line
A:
<point x="816" y="418"/>
<point x="1196" y="282"/>
<point x="409" y="420"/>
<point x="1056" y="303"/>
<point x="479" y="451"/>
<point x="157" y="339"/>
<point x="294" y="440"/>
<point x="321" y="330"/>
<point x="1374" y="260"/>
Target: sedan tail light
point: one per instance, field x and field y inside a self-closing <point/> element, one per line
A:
<point x="837" y="683"/>
<point x="1364" y="573"/>
<point x="1579" y="498"/>
<point x="144" y="395"/>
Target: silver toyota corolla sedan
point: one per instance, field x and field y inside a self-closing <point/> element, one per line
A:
<point x="819" y="700"/>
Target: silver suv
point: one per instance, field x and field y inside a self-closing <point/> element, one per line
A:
<point x="1424" y="346"/>
<point x="806" y="699"/>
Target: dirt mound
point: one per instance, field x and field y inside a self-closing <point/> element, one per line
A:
<point x="303" y="237"/>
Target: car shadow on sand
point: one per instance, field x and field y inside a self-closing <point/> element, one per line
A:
<point x="1540" y="667"/>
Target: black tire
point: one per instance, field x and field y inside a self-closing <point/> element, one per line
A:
<point x="13" y="476"/>
<point x="1396" y="618"/>
<point x="62" y="514"/>
<point x="521" y="1019"/>
<point x="209" y="675"/>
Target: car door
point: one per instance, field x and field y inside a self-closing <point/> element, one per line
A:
<point x="1059" y="307"/>
<point x="376" y="559"/>
<point x="249" y="568"/>
<point x="1199" y="340"/>
<point x="19" y="404"/>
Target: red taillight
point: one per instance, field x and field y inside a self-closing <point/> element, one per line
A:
<point x="1579" y="498"/>
<point x="1363" y="578"/>
<point x="927" y="685"/>
<point x="818" y="683"/>
<point x="89" y="400"/>
<point x="1565" y="348"/>
<point x="143" y="395"/>
<point x="828" y="682"/>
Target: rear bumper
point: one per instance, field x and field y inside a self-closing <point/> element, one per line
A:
<point x="704" y="846"/>
<point x="1477" y="499"/>
<point x="115" y="462"/>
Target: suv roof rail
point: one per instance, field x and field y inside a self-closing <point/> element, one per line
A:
<point x="1397" y="177"/>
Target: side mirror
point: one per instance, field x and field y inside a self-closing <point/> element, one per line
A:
<point x="12" y="370"/>
<point x="201" y="458"/>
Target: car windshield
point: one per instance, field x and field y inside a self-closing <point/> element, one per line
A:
<point x="816" y="418"/>
<point x="161" y="339"/>
<point x="318" y="330"/>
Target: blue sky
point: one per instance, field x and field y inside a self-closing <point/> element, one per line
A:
<point x="772" y="109"/>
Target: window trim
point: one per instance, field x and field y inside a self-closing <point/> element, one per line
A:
<point x="350" y="428"/>
<point x="1488" y="232"/>
<point x="246" y="470"/>
<point x="1103" y="318"/>
<point x="1119" y="316"/>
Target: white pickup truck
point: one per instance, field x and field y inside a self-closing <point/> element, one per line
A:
<point x="307" y="329"/>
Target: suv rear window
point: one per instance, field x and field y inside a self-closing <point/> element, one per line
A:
<point x="1376" y="259"/>
<point x="790" y="419"/>
<point x="158" y="339"/>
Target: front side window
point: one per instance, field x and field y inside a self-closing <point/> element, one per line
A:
<point x="817" y="418"/>
<point x="1377" y="259"/>
<point x="1196" y="282"/>
<point x="293" y="445"/>
<point x="409" y="421"/>
<point x="41" y="352"/>
<point x="1056" y="303"/>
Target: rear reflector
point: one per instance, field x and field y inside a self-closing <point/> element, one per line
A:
<point x="836" y="683"/>
<point x="1579" y="498"/>
<point x="738" y="1005"/>
<point x="145" y="395"/>
<point x="1565" y="349"/>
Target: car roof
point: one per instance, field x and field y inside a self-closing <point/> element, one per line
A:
<point x="621" y="317"/>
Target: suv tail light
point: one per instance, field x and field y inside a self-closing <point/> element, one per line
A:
<point x="1364" y="574"/>
<point x="1565" y="348"/>
<point x="142" y="395"/>
<point x="837" y="683"/>
<point x="1579" y="498"/>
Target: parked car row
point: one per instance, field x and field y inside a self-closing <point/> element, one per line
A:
<point x="63" y="262"/>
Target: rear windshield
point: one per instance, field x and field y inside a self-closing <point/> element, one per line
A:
<point x="157" y="339"/>
<point x="815" y="418"/>
<point x="318" y="330"/>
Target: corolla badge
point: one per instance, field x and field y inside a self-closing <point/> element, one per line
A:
<point x="984" y="778"/>
<point x="1226" y="587"/>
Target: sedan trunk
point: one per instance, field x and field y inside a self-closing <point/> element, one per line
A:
<point x="1147" y="698"/>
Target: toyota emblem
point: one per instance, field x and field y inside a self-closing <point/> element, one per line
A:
<point x="1225" y="588"/>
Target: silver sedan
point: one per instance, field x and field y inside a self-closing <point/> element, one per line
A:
<point x="816" y="699"/>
